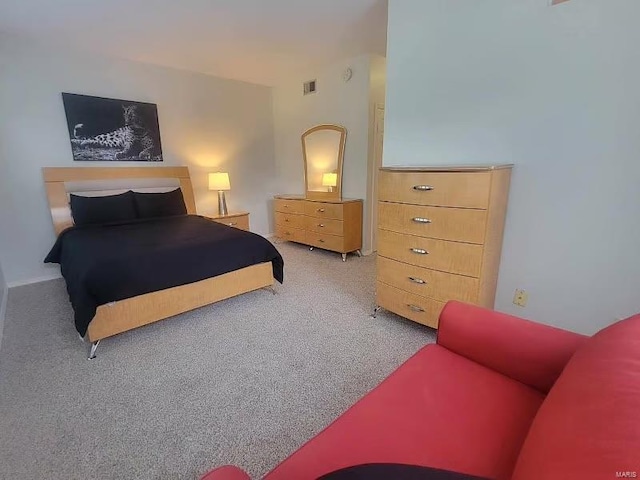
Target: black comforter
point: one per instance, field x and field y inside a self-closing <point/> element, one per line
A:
<point x="107" y="263"/>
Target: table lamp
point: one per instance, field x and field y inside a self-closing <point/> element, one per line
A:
<point x="330" y="180"/>
<point x="220" y="181"/>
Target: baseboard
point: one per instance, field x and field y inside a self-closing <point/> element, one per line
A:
<point x="44" y="278"/>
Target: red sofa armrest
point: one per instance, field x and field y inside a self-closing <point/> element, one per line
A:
<point x="529" y="352"/>
<point x="227" y="472"/>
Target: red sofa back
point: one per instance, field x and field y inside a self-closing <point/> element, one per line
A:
<point x="589" y="425"/>
<point x="529" y="352"/>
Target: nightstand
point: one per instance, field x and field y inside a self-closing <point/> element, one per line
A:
<point x="236" y="219"/>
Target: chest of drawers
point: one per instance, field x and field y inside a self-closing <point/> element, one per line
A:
<point x="330" y="225"/>
<point x="439" y="238"/>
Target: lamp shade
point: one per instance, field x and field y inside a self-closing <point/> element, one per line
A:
<point x="219" y="181"/>
<point x="329" y="179"/>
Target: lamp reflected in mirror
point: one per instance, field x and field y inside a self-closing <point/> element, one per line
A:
<point x="330" y="180"/>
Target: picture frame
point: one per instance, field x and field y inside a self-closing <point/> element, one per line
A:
<point x="107" y="129"/>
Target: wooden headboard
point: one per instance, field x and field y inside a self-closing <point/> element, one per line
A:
<point x="56" y="178"/>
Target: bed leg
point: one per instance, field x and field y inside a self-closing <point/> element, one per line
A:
<point x="375" y="311"/>
<point x="92" y="350"/>
<point x="344" y="257"/>
<point x="271" y="289"/>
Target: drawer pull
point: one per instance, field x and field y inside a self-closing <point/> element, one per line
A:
<point x="415" y="308"/>
<point x="287" y="233"/>
<point x="417" y="280"/>
<point x="321" y="225"/>
<point x="421" y="220"/>
<point x="286" y="219"/>
<point x="420" y="251"/>
<point x="321" y="210"/>
<point x="286" y="206"/>
<point x="321" y="240"/>
<point x="423" y="188"/>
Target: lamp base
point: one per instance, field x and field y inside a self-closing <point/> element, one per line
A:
<point x="222" y="203"/>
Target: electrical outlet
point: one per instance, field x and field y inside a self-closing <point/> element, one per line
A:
<point x="520" y="298"/>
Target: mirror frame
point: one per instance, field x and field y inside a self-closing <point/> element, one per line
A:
<point x="337" y="194"/>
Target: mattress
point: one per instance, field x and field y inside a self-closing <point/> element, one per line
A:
<point x="108" y="263"/>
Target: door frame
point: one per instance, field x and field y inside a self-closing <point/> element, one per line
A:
<point x="376" y="164"/>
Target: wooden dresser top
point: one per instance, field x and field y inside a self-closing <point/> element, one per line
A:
<point x="323" y="200"/>
<point x="448" y="168"/>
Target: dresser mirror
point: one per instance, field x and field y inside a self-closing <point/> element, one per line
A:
<point x="323" y="153"/>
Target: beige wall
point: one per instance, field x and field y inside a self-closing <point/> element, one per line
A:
<point x="206" y="123"/>
<point x="554" y="90"/>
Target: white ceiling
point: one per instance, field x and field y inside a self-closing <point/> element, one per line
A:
<point x="259" y="41"/>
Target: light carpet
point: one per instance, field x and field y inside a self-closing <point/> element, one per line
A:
<point x="245" y="381"/>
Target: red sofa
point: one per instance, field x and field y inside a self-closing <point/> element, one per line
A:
<point x="496" y="397"/>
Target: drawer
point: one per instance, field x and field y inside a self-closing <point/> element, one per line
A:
<point x="427" y="283"/>
<point x="290" y="220"/>
<point x="443" y="255"/>
<point x="324" y="225"/>
<point x="414" y="307"/>
<point x="288" y="206"/>
<point x="447" y="189"/>
<point x="290" y="234"/>
<point x="324" y="210"/>
<point x="241" y="222"/>
<point x="459" y="224"/>
<point x="323" y="240"/>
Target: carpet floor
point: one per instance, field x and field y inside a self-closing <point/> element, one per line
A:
<point x="245" y="381"/>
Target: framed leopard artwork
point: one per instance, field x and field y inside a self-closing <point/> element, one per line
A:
<point x="108" y="130"/>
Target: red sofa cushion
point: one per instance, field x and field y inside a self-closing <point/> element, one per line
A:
<point x="226" y="472"/>
<point x="589" y="426"/>
<point x="438" y="409"/>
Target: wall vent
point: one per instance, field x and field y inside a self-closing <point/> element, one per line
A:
<point x="309" y="87"/>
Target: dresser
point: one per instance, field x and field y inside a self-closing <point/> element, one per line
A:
<point x="439" y="238"/>
<point x="334" y="225"/>
<point x="235" y="219"/>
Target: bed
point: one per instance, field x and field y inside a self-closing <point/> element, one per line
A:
<point x="125" y="274"/>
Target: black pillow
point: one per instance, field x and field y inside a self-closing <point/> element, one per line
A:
<point x="151" y="205"/>
<point x="97" y="210"/>
<point x="396" y="471"/>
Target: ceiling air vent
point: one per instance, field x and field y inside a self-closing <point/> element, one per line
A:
<point x="309" y="87"/>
